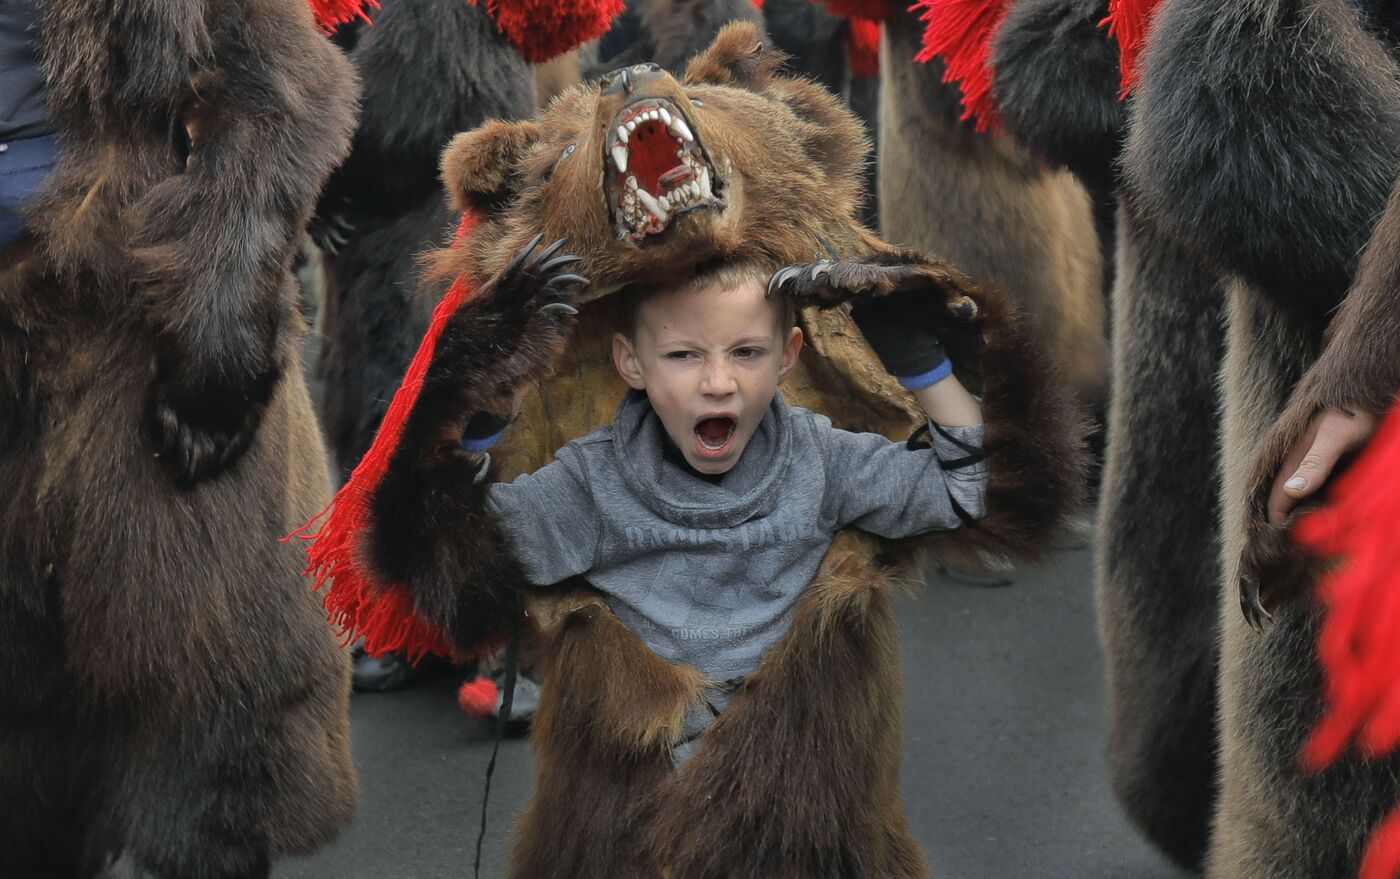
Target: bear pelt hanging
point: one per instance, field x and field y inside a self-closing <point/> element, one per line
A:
<point x="1157" y="565"/>
<point x="414" y="562"/>
<point x="171" y="698"/>
<point x="1264" y="138"/>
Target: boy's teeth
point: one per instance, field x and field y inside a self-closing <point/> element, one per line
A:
<point x="619" y="156"/>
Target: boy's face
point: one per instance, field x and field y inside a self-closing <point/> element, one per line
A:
<point x="710" y="361"/>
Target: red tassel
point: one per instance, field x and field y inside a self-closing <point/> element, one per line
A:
<point x="1382" y="857"/>
<point x="874" y="9"/>
<point x="544" y="29"/>
<point x="863" y="46"/>
<point x="1127" y="22"/>
<point x="1359" y="642"/>
<point x="331" y="14"/>
<point x="381" y="614"/>
<point x="478" y="698"/>
<point x="961" y="31"/>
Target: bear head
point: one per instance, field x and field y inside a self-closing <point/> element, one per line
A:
<point x="645" y="175"/>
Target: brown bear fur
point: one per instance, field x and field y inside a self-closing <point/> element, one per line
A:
<point x="988" y="207"/>
<point x="834" y="679"/>
<point x="170" y="693"/>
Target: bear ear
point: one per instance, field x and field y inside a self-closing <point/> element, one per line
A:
<point x="740" y="56"/>
<point x="479" y="166"/>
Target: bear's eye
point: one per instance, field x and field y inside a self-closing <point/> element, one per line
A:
<point x="568" y="151"/>
<point x="697" y="102"/>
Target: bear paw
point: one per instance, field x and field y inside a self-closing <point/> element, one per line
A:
<point x="828" y="283"/>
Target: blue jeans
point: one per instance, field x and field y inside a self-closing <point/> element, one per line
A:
<point x="23" y="166"/>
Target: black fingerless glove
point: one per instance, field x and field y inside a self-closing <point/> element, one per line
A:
<point x="482" y="431"/>
<point x="899" y="329"/>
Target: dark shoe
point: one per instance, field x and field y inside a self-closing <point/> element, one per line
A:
<point x="391" y="671"/>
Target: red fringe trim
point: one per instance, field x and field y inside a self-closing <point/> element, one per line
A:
<point x="1359" y="642"/>
<point x="544" y="29"/>
<point x="961" y="32"/>
<point x="863" y="46"/>
<point x="1128" y="22"/>
<point x="331" y="14"/>
<point x="381" y="614"/>
<point x="874" y="9"/>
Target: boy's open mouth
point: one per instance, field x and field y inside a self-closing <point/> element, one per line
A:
<point x="656" y="169"/>
<point x="714" y="437"/>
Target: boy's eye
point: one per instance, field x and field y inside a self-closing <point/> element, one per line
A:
<point x="748" y="352"/>
<point x="679" y="355"/>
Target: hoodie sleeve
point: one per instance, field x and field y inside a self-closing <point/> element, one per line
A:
<point x="549" y="520"/>
<point x="899" y="490"/>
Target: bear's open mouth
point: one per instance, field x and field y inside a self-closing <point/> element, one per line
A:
<point x="656" y="170"/>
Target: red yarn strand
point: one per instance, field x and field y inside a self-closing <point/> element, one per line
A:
<point x="863" y="46"/>
<point x="1127" y="22"/>
<point x="961" y="32"/>
<point x="381" y="614"/>
<point x="331" y="14"/>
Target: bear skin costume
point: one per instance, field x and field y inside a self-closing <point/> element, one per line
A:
<point x="782" y="158"/>
<point x="384" y="206"/>
<point x="1264" y="136"/>
<point x="1157" y="571"/>
<point x="988" y="207"/>
<point x="171" y="697"/>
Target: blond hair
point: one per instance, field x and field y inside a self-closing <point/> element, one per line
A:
<point x="727" y="275"/>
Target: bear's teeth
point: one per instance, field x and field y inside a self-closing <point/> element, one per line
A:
<point x="665" y="117"/>
<point x="652" y="205"/>
<point x="632" y="125"/>
<point x="619" y="156"/>
<point x="622" y="133"/>
<point x="632" y="183"/>
<point x="679" y="127"/>
<point x="705" y="183"/>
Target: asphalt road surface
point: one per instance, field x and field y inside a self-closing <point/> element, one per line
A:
<point x="1003" y="762"/>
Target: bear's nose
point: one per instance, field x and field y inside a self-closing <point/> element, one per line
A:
<point x="626" y="79"/>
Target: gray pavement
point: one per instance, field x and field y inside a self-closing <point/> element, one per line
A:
<point x="1003" y="760"/>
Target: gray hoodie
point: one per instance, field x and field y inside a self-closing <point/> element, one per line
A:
<point x="708" y="574"/>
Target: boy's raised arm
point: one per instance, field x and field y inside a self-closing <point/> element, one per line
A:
<point x="899" y="490"/>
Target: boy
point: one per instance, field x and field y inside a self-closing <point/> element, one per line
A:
<point x="703" y="511"/>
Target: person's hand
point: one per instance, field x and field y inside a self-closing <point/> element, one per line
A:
<point x="1331" y="434"/>
<point x="899" y="328"/>
<point x="899" y="309"/>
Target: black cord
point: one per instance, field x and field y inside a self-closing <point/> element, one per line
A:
<point x="507" y="702"/>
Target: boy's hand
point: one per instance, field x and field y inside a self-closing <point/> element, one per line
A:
<point x="899" y="329"/>
<point x="898" y="309"/>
